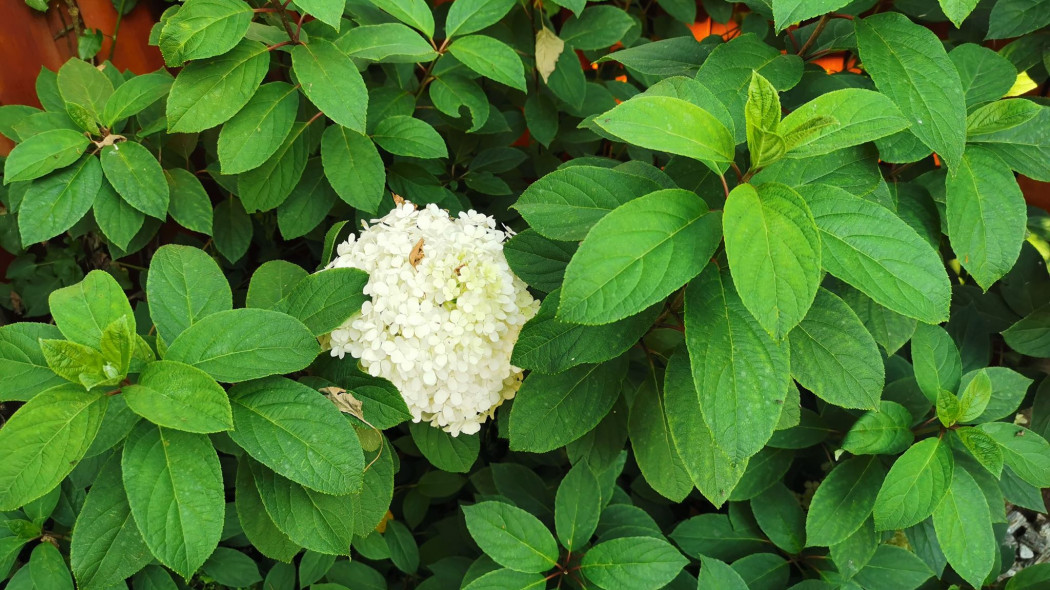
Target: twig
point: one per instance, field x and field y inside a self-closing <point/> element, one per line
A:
<point x="823" y="22"/>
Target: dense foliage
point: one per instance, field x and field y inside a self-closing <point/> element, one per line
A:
<point x="794" y="324"/>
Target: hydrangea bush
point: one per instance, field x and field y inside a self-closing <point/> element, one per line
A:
<point x="494" y="294"/>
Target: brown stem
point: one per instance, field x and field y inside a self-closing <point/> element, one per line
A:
<point x="823" y="22"/>
<point x="314" y="118"/>
<point x="278" y="45"/>
<point x="725" y="186"/>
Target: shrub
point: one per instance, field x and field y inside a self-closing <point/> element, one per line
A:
<point x="773" y="350"/>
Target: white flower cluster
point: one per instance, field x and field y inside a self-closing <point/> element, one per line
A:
<point x="445" y="313"/>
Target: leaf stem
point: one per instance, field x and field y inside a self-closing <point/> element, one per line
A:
<point x="823" y="22"/>
<point x="725" y="186"/>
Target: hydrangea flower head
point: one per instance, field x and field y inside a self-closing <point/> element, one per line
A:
<point x="445" y="313"/>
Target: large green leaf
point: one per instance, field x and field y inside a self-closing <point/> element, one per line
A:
<point x="741" y="373"/>
<point x="353" y="166"/>
<point x="415" y="13"/>
<point x="554" y="410"/>
<point x="84" y="310"/>
<point x="834" y="356"/>
<point x="935" y="360"/>
<point x="44" y="440"/>
<point x="964" y="529"/>
<point x="409" y="136"/>
<point x="885" y="431"/>
<point x="915" y="485"/>
<point x="491" y="58"/>
<point x="780" y="516"/>
<point x="566" y="203"/>
<point x="1024" y="147"/>
<point x="642" y="563"/>
<point x="308" y="203"/>
<point x="472" y="16"/>
<point x="909" y="64"/>
<point x="174" y="487"/>
<point x="255" y="522"/>
<point x="707" y="464"/>
<point x="1013" y="18"/>
<point x="211" y="91"/>
<point x="266" y="187"/>
<point x="773" y="248"/>
<point x="184" y="286"/>
<point x="137" y="177"/>
<point x="859" y="116"/>
<point x="537" y="260"/>
<point x="118" y="220"/>
<point x="323" y="301"/>
<point x="637" y="255"/>
<point x="386" y="43"/>
<point x="298" y="433"/>
<point x="597" y="27"/>
<point x="43" y="153"/>
<point x="22" y="363"/>
<point x="1027" y="453"/>
<point x="84" y="89"/>
<point x="317" y="521"/>
<point x="54" y="203"/>
<point x="654" y="450"/>
<point x="133" y="96"/>
<point x="106" y="547"/>
<point x="181" y="397"/>
<point x="329" y="12"/>
<point x="893" y="568"/>
<point x="444" y="451"/>
<point x="256" y="131"/>
<point x="203" y="28"/>
<point x="511" y="537"/>
<point x="869" y="247"/>
<point x="789" y="12"/>
<point x="986" y="215"/>
<point x="189" y="204"/>
<point x="577" y="506"/>
<point x="985" y="74"/>
<point x="843" y="501"/>
<point x="331" y="81"/>
<point x="671" y="125"/>
<point x="264" y="343"/>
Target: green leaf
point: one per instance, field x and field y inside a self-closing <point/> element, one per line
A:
<point x="947" y="408"/>
<point x="450" y="93"/>
<point x="1001" y="115"/>
<point x="506" y="579"/>
<point x="567" y="81"/>
<point x="117" y="219"/>
<point x="79" y="364"/>
<point x="762" y="116"/>
<point x="1027" y="453"/>
<point x="1031" y="334"/>
<point x="789" y="12"/>
<point x="137" y="177"/>
<point x="741" y="373"/>
<point x="974" y="399"/>
<point x="678" y="56"/>
<point x="325" y="300"/>
<point x="266" y="187"/>
<point x="843" y="501"/>
<point x="387" y="43"/>
<point x="188" y="203"/>
<point x="780" y="516"/>
<point x="577" y="506"/>
<point x="231" y="568"/>
<point x="54" y="203"/>
<point x="233" y="229"/>
<point x="415" y="13"/>
<point x="271" y="282"/>
<point x="178" y="396"/>
<point x="964" y="529"/>
<point x="936" y="361"/>
<point x="716" y="574"/>
<point x="644" y="563"/>
<point x="353" y="167"/>
<point x="1023" y="147"/>
<point x="889" y="328"/>
<point x="834" y="356"/>
<point x="774" y="254"/>
<point x="512" y="537"/>
<point x="44" y="153"/>
<point x="1013" y="18"/>
<point x="211" y="91"/>
<point x="329" y="12"/>
<point x="22" y="362"/>
<point x="548" y="345"/>
<point x="472" y="16"/>
<point x="893" y="568"/>
<point x="408" y="136"/>
<point x="47" y="568"/>
<point x="707" y="464"/>
<point x="133" y="96"/>
<point x="653" y="448"/>
<point x="83" y="88"/>
<point x="1008" y="390"/>
<point x="671" y="125"/>
<point x="984" y="73"/>
<point x="444" y="451"/>
<point x="712" y="535"/>
<point x="264" y="343"/>
<point x="886" y="431"/>
<point x="908" y="64"/>
<point x="203" y="28"/>
<point x="598" y="27"/>
<point x="331" y="81"/>
<point x="255" y="522"/>
<point x="253" y="135"/>
<point x="566" y="203"/>
<point x="869" y="247"/>
<point x="184" y="286"/>
<point x="44" y="440"/>
<point x="538" y="261"/>
<point x="984" y="448"/>
<point x="490" y="58"/>
<point x="662" y="240"/>
<point x="915" y="485"/>
<point x="298" y="433"/>
<point x="553" y="410"/>
<point x="174" y="487"/>
<point x="986" y="215"/>
<point x="106" y="547"/>
<point x="82" y="311"/>
<point x="404" y="552"/>
<point x="308" y="204"/>
<point x="858" y="115"/>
